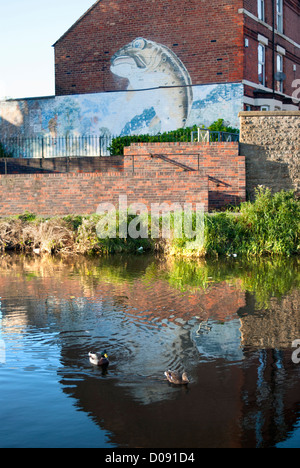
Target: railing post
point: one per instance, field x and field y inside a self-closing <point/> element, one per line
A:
<point x="66" y="146"/>
<point x="100" y="144"/>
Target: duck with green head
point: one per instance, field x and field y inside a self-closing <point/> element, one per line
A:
<point x="100" y="360"/>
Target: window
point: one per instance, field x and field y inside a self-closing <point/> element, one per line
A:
<point x="279" y="15"/>
<point x="280" y="70"/>
<point x="261" y="64"/>
<point x="265" y="108"/>
<point x="261" y="9"/>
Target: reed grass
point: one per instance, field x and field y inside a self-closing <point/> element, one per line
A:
<point x="268" y="226"/>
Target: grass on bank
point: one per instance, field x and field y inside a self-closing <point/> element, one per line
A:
<point x="268" y="226"/>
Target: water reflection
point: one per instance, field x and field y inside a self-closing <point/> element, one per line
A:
<point x="229" y="324"/>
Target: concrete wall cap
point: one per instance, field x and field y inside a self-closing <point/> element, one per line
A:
<point x="269" y="113"/>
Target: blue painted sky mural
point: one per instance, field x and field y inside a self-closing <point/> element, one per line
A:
<point x="116" y="113"/>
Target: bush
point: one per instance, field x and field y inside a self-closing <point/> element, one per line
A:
<point x="182" y="134"/>
<point x="219" y="126"/>
<point x="224" y="235"/>
<point x="118" y="144"/>
<point x="3" y="152"/>
<point x="268" y="226"/>
<point x="272" y="222"/>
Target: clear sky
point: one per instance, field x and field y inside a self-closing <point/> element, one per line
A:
<point x="28" y="29"/>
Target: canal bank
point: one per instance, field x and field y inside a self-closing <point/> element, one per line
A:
<point x="268" y="226"/>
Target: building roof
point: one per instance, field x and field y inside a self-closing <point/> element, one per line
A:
<point x="78" y="21"/>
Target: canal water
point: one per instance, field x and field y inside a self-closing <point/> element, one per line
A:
<point x="230" y="324"/>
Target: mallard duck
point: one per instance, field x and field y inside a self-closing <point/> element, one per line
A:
<point x="176" y="378"/>
<point x="203" y="327"/>
<point x="99" y="359"/>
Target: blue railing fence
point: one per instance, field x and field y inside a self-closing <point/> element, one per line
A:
<point x="50" y="147"/>
<point x="92" y="145"/>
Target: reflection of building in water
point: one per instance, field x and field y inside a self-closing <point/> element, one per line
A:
<point x="270" y="397"/>
<point x="254" y="405"/>
<point x="2" y="342"/>
<point x="221" y="340"/>
<point x="15" y="320"/>
<point x="147" y="324"/>
<point x="276" y="327"/>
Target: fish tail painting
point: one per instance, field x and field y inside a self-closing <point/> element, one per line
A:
<point x="148" y="65"/>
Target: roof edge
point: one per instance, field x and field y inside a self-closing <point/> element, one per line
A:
<point x="76" y="22"/>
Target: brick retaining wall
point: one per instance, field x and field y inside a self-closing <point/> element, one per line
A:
<point x="62" y="194"/>
<point x="61" y="164"/>
<point x="220" y="162"/>
<point x="213" y="175"/>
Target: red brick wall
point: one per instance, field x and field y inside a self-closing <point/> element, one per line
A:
<point x="213" y="175"/>
<point x="220" y="162"/>
<point x="61" y="164"/>
<point x="206" y="36"/>
<point x="61" y="194"/>
<point x="252" y="28"/>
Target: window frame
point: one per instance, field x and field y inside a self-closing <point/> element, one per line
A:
<point x="265" y="108"/>
<point x="279" y="16"/>
<point x="279" y="69"/>
<point x="261" y="10"/>
<point x="261" y="63"/>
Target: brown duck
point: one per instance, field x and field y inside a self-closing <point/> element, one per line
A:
<point x="176" y="378"/>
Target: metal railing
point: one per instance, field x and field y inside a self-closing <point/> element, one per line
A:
<point x="97" y="146"/>
<point x="50" y="147"/>
<point x="204" y="135"/>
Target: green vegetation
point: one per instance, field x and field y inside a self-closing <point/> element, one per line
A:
<point x="182" y="134"/>
<point x="268" y="226"/>
<point x="266" y="277"/>
<point x="118" y="143"/>
<point x="3" y="152"/>
<point x="272" y="223"/>
<point x="219" y="126"/>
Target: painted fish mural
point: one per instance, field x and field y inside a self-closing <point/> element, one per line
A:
<point x="149" y="65"/>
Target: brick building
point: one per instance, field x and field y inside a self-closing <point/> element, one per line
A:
<point x="271" y="54"/>
<point x="134" y="67"/>
<point x="254" y="43"/>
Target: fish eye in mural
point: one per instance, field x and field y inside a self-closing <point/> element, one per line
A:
<point x="149" y="65"/>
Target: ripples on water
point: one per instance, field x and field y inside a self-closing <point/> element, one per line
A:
<point x="230" y="325"/>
